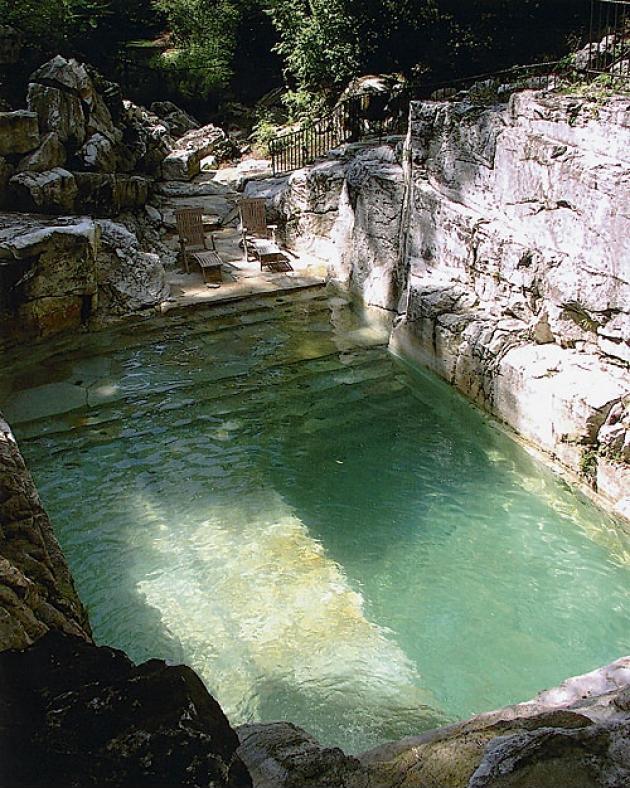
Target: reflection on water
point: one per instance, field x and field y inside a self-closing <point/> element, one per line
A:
<point x="324" y="535"/>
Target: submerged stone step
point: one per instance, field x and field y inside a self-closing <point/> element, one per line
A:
<point x="227" y="392"/>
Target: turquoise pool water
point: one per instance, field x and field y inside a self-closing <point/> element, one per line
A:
<point x="326" y="535"/>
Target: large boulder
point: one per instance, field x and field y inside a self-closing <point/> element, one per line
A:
<point x="184" y="161"/>
<point x="129" y="279"/>
<point x="53" y="191"/>
<point x="74" y="714"/>
<point x="50" y="154"/>
<point x="107" y="194"/>
<point x="281" y="755"/>
<point x="147" y="139"/>
<point x="67" y="101"/>
<point x="98" y="154"/>
<point x="58" y="110"/>
<point x="574" y="756"/>
<point x="48" y="272"/>
<point x="66" y="74"/>
<point x="19" y="132"/>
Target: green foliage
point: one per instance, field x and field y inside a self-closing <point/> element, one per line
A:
<point x="323" y="43"/>
<point x="588" y="464"/>
<point x="51" y="23"/>
<point x="303" y="105"/>
<point x="598" y="90"/>
<point x="318" y="44"/>
<point x="94" y="26"/>
<point x="206" y="34"/>
<point x="264" y="131"/>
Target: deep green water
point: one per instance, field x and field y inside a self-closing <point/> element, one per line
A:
<point x="324" y="534"/>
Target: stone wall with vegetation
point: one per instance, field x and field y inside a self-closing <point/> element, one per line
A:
<point x="36" y="589"/>
<point x="500" y="237"/>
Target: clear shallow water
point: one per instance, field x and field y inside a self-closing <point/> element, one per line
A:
<point x="325" y="535"/>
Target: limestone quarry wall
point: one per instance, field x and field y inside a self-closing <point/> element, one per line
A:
<point x="501" y="238"/>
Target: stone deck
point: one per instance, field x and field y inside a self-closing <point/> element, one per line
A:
<point x="215" y="193"/>
<point x="241" y="278"/>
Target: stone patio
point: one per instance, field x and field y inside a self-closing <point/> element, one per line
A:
<point x="214" y="193"/>
<point x="240" y="278"/>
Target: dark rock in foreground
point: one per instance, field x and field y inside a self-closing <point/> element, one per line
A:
<point x="36" y="588"/>
<point x="75" y="714"/>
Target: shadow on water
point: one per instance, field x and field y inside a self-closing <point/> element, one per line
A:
<point x="103" y="553"/>
<point x="323" y="534"/>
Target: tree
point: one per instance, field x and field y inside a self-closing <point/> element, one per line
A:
<point x="325" y="42"/>
<point x="204" y="33"/>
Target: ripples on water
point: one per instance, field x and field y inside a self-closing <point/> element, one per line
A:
<point x="325" y="535"/>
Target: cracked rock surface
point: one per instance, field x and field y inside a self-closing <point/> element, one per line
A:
<point x="501" y="237"/>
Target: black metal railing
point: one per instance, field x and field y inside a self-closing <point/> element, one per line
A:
<point x="373" y="115"/>
<point x="360" y="117"/>
<point x="352" y="120"/>
<point x="496" y="84"/>
<point x="609" y="38"/>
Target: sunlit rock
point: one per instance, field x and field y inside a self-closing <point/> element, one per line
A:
<point x="129" y="279"/>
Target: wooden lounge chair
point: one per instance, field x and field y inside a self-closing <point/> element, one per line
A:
<point x="260" y="237"/>
<point x="193" y="244"/>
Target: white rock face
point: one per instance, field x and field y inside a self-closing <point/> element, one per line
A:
<point x="128" y="278"/>
<point x="184" y="161"/>
<point x="502" y="238"/>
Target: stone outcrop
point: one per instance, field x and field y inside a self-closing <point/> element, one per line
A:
<point x="50" y="191"/>
<point x="575" y="735"/>
<point x="184" y="160"/>
<point x="47" y="274"/>
<point x="129" y="279"/>
<point x="81" y="149"/>
<point x="517" y="252"/>
<point x="281" y="754"/>
<point x="36" y="589"/>
<point x="72" y="713"/>
<point x="57" y="273"/>
<point x="90" y="151"/>
<point x="19" y="132"/>
<point x="499" y="236"/>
